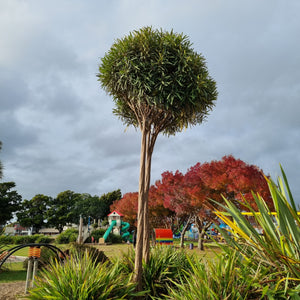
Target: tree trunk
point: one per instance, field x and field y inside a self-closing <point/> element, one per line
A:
<point x="202" y="228"/>
<point x="184" y="229"/>
<point x="201" y="240"/>
<point x="150" y="141"/>
<point x="138" y="269"/>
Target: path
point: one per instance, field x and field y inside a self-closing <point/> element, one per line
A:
<point x="10" y="290"/>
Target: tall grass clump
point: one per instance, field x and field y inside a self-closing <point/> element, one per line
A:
<point x="279" y="245"/>
<point x="79" y="278"/>
<point x="164" y="269"/>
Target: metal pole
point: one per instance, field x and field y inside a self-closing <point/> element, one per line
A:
<point x="29" y="269"/>
<point x="35" y="267"/>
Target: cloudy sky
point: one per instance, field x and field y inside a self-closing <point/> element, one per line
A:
<point x="56" y="124"/>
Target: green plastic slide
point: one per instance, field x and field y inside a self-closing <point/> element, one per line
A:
<point x="124" y="232"/>
<point x="109" y="229"/>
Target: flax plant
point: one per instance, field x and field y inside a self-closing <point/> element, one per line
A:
<point x="165" y="267"/>
<point x="228" y="276"/>
<point x="279" y="245"/>
<point x="80" y="278"/>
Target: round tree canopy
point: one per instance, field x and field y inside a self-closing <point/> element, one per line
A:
<point x="157" y="78"/>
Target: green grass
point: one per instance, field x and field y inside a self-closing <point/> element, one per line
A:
<point x="15" y="271"/>
<point x="21" y="252"/>
<point x="12" y="272"/>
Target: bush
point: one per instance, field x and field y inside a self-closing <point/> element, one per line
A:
<point x="80" y="278"/>
<point x="114" y="238"/>
<point x="97" y="234"/>
<point x="96" y="255"/>
<point x="44" y="239"/>
<point x="24" y="239"/>
<point x="68" y="236"/>
<point x="5" y="240"/>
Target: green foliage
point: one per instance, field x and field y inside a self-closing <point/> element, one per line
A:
<point x="9" y="201"/>
<point x="1" y="232"/>
<point x="33" y="212"/>
<point x="95" y="254"/>
<point x="114" y="238"/>
<point x="80" y="278"/>
<point x="6" y="239"/>
<point x="97" y="234"/>
<point x="68" y="236"/>
<point x="96" y="207"/>
<point x="157" y="74"/>
<point x="279" y="246"/>
<point x="164" y="269"/>
<point x="228" y="276"/>
<point x="44" y="239"/>
<point x="1" y="166"/>
<point x="25" y="239"/>
<point x="62" y="210"/>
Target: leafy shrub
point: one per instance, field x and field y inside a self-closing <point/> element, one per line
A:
<point x="165" y="268"/>
<point x="95" y="254"/>
<point x="44" y="239"/>
<point x="80" y="278"/>
<point x="114" y="238"/>
<point x="8" y="239"/>
<point x="68" y="236"/>
<point x="97" y="234"/>
<point x="24" y="239"/>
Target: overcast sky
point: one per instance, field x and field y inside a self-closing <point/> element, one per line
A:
<point x="56" y="124"/>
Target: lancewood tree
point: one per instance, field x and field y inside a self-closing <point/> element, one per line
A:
<point x="160" y="85"/>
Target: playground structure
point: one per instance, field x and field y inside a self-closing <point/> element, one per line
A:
<point x="117" y="226"/>
<point x="163" y="236"/>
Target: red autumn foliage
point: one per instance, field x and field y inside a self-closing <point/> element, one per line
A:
<point x="230" y="177"/>
<point x="127" y="206"/>
<point x="177" y="197"/>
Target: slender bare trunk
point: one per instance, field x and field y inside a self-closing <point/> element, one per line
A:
<point x="150" y="145"/>
<point x="138" y="270"/>
<point x="184" y="229"/>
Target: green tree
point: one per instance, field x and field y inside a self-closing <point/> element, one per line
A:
<point x="62" y="210"/>
<point x="33" y="213"/>
<point x="106" y="200"/>
<point x="9" y="201"/>
<point x="1" y="166"/>
<point x="160" y="85"/>
<point x="97" y="207"/>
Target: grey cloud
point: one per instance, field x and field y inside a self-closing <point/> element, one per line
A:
<point x="56" y="123"/>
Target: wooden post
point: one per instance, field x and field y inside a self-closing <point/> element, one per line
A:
<point x="80" y="238"/>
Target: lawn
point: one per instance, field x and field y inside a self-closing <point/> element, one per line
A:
<point x="21" y="252"/>
<point x="16" y="272"/>
<point x="12" y="272"/>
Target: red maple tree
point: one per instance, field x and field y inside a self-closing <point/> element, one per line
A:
<point x="128" y="207"/>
